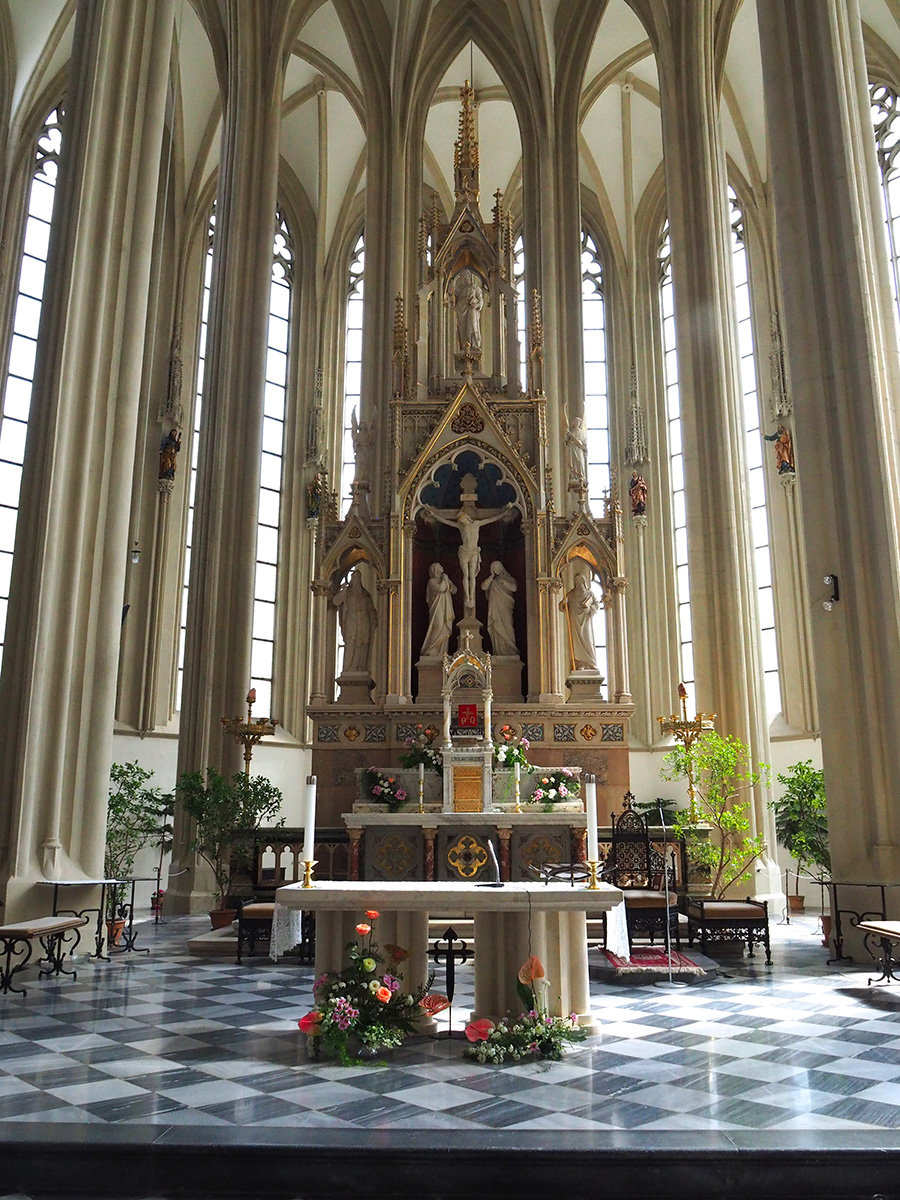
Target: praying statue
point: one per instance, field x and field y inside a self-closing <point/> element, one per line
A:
<point x="357" y="617"/>
<point x="500" y="587"/>
<point x="469" y="550"/>
<point x="469" y="303"/>
<point x="581" y="604"/>
<point x="439" y="597"/>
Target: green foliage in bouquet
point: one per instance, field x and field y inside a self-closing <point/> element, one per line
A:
<point x="421" y="750"/>
<point x="385" y="789"/>
<point x="554" y="786"/>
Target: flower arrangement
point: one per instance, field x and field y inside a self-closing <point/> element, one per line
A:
<point x="421" y="750"/>
<point x="511" y="749"/>
<point x="365" y="999"/>
<point x="534" y="1034"/>
<point x="386" y="789"/>
<point x="553" y="786"/>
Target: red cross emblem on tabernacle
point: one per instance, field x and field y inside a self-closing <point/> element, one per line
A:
<point x="468" y="716"/>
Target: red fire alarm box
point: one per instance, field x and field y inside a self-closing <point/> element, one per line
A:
<point x="468" y="716"/>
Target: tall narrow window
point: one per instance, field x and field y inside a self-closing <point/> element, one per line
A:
<point x="886" y="121"/>
<point x="23" y="346"/>
<point x="756" y="483"/>
<point x="195" y="452"/>
<point x="521" y="306"/>
<point x="596" y="405"/>
<point x="269" y="521"/>
<point x="352" y="365"/>
<point x="676" y="465"/>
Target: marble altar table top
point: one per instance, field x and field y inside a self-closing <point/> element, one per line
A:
<point x="415" y="896"/>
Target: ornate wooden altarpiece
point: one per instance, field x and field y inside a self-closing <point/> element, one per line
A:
<point x="465" y="444"/>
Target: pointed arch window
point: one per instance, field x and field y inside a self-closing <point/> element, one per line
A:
<point x="596" y="406"/>
<point x="676" y="465"/>
<point x="756" y="481"/>
<point x="885" y="108"/>
<point x="352" y="364"/>
<point x="23" y="345"/>
<point x="269" y="520"/>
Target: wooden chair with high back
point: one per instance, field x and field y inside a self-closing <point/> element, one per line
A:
<point x="636" y="866"/>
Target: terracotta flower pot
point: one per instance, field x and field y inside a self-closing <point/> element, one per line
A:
<point x="796" y="904"/>
<point x="220" y="917"/>
<point x="826" y="929"/>
<point x="114" y="931"/>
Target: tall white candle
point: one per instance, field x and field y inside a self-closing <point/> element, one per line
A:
<point x="309" y="819"/>
<point x="590" y="803"/>
<point x="421" y="783"/>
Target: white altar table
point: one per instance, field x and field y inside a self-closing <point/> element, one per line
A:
<point x="512" y="922"/>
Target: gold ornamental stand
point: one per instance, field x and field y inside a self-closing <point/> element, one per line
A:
<point x="249" y="732"/>
<point x="687" y="731"/>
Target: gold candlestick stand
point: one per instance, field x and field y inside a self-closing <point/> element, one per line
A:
<point x="687" y="731"/>
<point x="594" y="868"/>
<point x="308" y="864"/>
<point x="249" y="732"/>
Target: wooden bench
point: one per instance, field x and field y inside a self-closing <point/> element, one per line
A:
<point x="716" y="920"/>
<point x="887" y="932"/>
<point x="254" y="922"/>
<point x="17" y="940"/>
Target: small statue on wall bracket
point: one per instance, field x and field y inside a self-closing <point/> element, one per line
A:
<point x="637" y="490"/>
<point x="784" y="449"/>
<point x="168" y="451"/>
<point x="576" y="441"/>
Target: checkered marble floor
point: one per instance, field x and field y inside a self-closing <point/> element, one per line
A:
<point x="169" y="1039"/>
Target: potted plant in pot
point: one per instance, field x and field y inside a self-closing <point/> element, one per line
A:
<point x="801" y="822"/>
<point x="226" y="811"/>
<point x="722" y="773"/>
<point x="136" y="816"/>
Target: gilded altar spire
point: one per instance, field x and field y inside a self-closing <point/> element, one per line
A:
<point x="465" y="149"/>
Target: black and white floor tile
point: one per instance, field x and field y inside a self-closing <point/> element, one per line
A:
<point x="171" y="1039"/>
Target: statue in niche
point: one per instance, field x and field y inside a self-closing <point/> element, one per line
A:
<point x="576" y="441"/>
<point x="581" y="604"/>
<point x="357" y="617"/>
<point x="439" y="598"/>
<point x="469" y="303"/>
<point x="500" y="587"/>
<point x="637" y="490"/>
<point x="468" y="522"/>
<point x="784" y="449"/>
<point x="363" y="435"/>
<point x="168" y="450"/>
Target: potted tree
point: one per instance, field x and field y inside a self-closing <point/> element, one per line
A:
<point x="722" y="773"/>
<point x="136" y="816"/>
<point x="226" y="812"/>
<point x="801" y="822"/>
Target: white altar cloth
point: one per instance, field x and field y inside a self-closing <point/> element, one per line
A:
<point x="515" y="921"/>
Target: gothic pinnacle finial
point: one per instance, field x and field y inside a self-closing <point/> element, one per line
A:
<point x="465" y="149"/>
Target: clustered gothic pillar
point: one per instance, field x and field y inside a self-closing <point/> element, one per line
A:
<point x="59" y="676"/>
<point x="841" y="350"/>
<point x="220" y="607"/>
<point x="727" y="660"/>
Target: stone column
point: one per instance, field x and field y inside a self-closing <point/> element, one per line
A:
<point x="841" y="349"/>
<point x="220" y="606"/>
<point x="59" y="669"/>
<point x="728" y="669"/>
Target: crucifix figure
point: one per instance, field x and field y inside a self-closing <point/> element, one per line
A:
<point x="468" y="519"/>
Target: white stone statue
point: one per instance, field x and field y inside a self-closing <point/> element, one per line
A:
<point x="580" y="603"/>
<point x="576" y="441"/>
<point x="500" y="587"/>
<point x="468" y="523"/>
<point x="469" y="303"/>
<point x="357" y="617"/>
<point x="439" y="597"/>
<point x="363" y="435"/>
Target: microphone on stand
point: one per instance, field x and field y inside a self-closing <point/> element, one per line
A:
<point x="495" y="867"/>
<point x="670" y="982"/>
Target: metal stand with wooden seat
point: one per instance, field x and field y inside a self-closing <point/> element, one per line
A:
<point x="717" y="920"/>
<point x="17" y="942"/>
<point x="254" y="922"/>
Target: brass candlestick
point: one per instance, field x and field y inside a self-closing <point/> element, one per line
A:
<point x="687" y="731"/>
<point x="308" y="864"/>
<point x="594" y="868"/>
<point x="249" y="732"/>
<point x="421" y="794"/>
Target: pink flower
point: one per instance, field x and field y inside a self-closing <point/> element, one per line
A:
<point x="401" y="794"/>
<point x="477" y="1031"/>
<point x="383" y="994"/>
<point x="371" y="914"/>
<point x="362" y="929"/>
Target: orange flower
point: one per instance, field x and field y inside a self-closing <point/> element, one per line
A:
<point x="397" y="953"/>
<point x="477" y="1031"/>
<point x="530" y="970"/>
<point x="434" y="1004"/>
<point x="383" y="994"/>
<point x="372" y="914"/>
<point x="363" y="929"/>
<point x="310" y="1023"/>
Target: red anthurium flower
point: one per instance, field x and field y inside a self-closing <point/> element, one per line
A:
<point x="310" y="1023"/>
<point x="530" y="970"/>
<point x="477" y="1031"/>
<point x="371" y="914"/>
<point x="363" y="928"/>
<point x="434" y="1004"/>
<point x="397" y="953"/>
